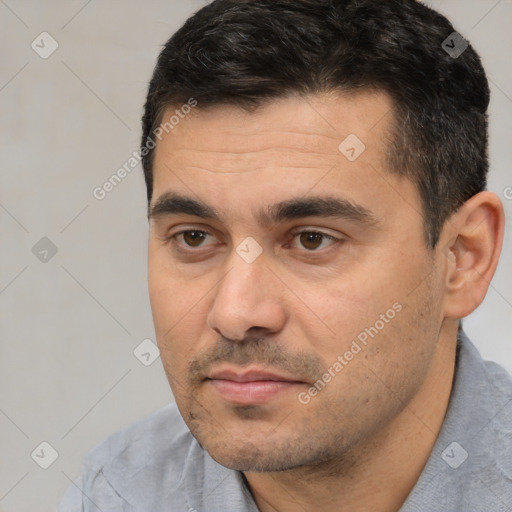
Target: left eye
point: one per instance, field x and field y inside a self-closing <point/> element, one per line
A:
<point x="313" y="240"/>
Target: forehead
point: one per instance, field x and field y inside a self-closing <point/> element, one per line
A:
<point x="239" y="163"/>
<point x="300" y="132"/>
<point x="247" y="166"/>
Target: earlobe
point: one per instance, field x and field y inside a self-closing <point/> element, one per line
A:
<point x="473" y="237"/>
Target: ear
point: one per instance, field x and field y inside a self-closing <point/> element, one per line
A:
<point x="471" y="244"/>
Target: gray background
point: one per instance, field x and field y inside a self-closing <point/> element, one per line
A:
<point x="70" y="324"/>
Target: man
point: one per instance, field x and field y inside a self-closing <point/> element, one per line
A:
<point x="319" y="226"/>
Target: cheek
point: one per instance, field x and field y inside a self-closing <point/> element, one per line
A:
<point x="341" y="307"/>
<point x="366" y="303"/>
<point x="169" y="293"/>
<point x="176" y="309"/>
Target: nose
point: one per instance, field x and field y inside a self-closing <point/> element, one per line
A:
<point x="249" y="296"/>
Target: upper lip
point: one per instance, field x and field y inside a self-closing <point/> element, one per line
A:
<point x="248" y="375"/>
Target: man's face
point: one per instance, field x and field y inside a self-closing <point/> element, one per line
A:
<point x="298" y="310"/>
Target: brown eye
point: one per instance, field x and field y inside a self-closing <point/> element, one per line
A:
<point x="313" y="241"/>
<point x="310" y="240"/>
<point x="193" y="238"/>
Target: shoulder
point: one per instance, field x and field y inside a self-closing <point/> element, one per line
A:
<point x="470" y="467"/>
<point x="484" y="435"/>
<point x="498" y="378"/>
<point x="141" y="458"/>
<point x="155" y="465"/>
<point x="482" y="409"/>
<point x="497" y="432"/>
<point x="164" y="427"/>
<point x="488" y="390"/>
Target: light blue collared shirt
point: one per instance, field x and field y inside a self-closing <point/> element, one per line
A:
<point x="156" y="465"/>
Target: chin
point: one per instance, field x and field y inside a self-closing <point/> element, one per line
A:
<point x="250" y="458"/>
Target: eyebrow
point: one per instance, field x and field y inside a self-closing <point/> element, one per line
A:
<point x="310" y="206"/>
<point x="175" y="204"/>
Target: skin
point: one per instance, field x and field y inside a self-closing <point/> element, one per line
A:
<point x="361" y="442"/>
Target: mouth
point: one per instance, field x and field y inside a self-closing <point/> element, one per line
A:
<point x="250" y="387"/>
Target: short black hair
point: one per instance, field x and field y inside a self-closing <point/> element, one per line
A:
<point x="248" y="52"/>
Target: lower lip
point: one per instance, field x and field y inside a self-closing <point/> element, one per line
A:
<point x="251" y="393"/>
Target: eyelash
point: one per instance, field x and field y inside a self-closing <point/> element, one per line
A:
<point x="173" y="239"/>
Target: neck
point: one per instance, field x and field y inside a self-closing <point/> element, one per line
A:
<point x="378" y="474"/>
